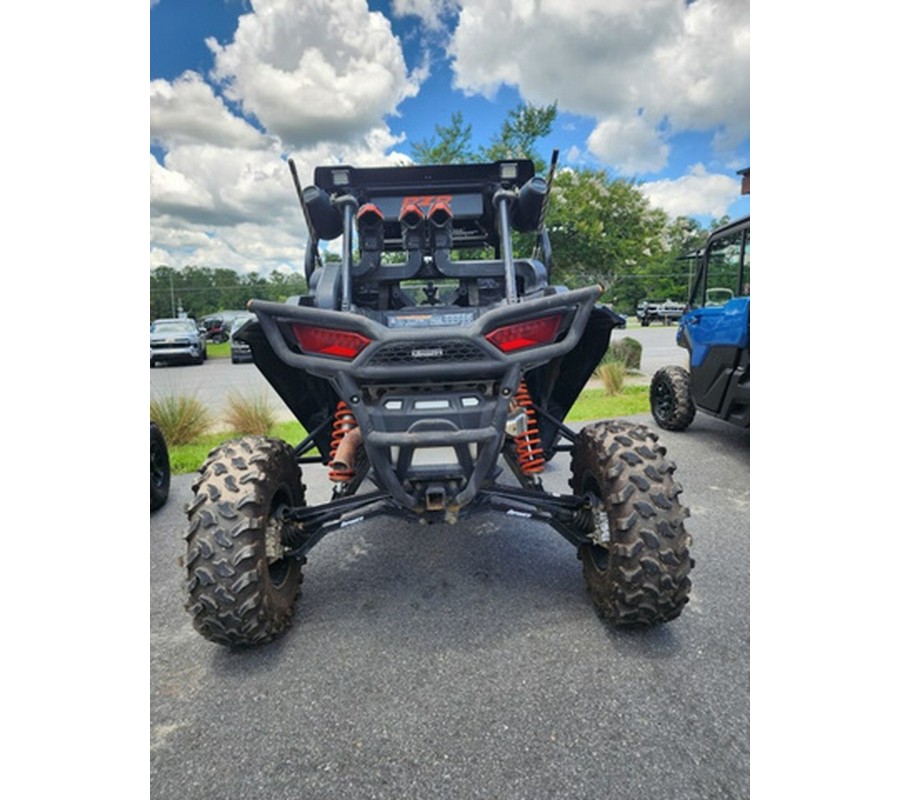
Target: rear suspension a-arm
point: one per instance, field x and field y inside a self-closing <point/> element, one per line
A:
<point x="569" y="515"/>
<point x="304" y="527"/>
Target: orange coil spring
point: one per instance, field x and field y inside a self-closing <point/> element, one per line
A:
<point x="528" y="446"/>
<point x="344" y="421"/>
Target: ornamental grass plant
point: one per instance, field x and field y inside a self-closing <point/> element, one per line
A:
<point x="249" y="414"/>
<point x="182" y="419"/>
<point x="612" y="375"/>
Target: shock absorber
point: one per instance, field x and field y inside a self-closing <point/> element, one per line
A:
<point x="529" y="452"/>
<point x="343" y="423"/>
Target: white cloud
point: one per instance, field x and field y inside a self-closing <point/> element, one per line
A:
<point x="319" y="78"/>
<point x="249" y="247"/>
<point x="631" y="144"/>
<point x="705" y="71"/>
<point x="309" y="72"/>
<point x="225" y="207"/>
<point x="170" y="191"/>
<point x="681" y="66"/>
<point x="431" y="12"/>
<point x="698" y="193"/>
<point x="187" y="111"/>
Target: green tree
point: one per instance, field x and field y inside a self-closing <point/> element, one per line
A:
<point x="452" y="146"/>
<point x="200" y="291"/>
<point x="518" y="137"/>
<point x="163" y="300"/>
<point x="285" y="284"/>
<point x="604" y="231"/>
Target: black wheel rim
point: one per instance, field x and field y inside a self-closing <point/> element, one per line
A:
<point x="663" y="400"/>
<point x="599" y="556"/>
<point x="158" y="468"/>
<point x="596" y="553"/>
<point x="280" y="569"/>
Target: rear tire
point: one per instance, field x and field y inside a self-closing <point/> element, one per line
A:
<point x="670" y="398"/>
<point x="241" y="590"/>
<point x="637" y="567"/>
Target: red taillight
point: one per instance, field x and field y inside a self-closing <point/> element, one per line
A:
<point x="330" y="341"/>
<point x="521" y="335"/>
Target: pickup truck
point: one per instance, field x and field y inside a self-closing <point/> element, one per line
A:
<point x="665" y="311"/>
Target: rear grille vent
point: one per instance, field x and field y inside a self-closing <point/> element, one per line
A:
<point x="427" y="352"/>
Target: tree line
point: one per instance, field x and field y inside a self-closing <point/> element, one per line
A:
<point x="201" y="291"/>
<point x="602" y="230"/>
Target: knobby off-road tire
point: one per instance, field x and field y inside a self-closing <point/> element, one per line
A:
<point x="670" y="398"/>
<point x="240" y="590"/>
<point x="637" y="568"/>
<point x="160" y="470"/>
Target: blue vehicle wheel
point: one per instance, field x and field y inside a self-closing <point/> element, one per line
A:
<point x="670" y="398"/>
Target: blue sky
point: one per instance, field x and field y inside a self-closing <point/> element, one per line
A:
<point x="656" y="90"/>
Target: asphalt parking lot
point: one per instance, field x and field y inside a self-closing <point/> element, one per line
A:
<point x="466" y="662"/>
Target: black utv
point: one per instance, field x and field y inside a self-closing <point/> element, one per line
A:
<point x="432" y="387"/>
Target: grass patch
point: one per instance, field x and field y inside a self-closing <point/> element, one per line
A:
<point x="597" y="404"/>
<point x="218" y="350"/>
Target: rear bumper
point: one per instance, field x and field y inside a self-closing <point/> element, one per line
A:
<point x="432" y="402"/>
<point x="378" y="362"/>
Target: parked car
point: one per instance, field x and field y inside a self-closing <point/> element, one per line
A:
<point x="240" y="350"/>
<point x="160" y="470"/>
<point x="176" y="340"/>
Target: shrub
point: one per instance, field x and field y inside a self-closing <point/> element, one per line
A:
<point x="612" y="374"/>
<point x="249" y="415"/>
<point x="181" y="419"/>
<point x="626" y="350"/>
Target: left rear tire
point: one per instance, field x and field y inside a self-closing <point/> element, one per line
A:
<point x="241" y="589"/>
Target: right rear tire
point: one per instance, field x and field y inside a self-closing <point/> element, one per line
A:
<point x="637" y="565"/>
